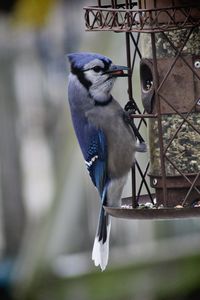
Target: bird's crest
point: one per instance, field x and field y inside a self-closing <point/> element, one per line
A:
<point x="80" y="59"/>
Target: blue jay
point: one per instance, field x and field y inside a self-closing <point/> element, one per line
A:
<point x="107" y="142"/>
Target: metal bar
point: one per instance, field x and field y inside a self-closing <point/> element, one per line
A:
<point x="139" y="4"/>
<point x="128" y="55"/>
<point x="136" y="132"/>
<point x="182" y="174"/>
<point x="130" y="93"/>
<point x="150" y="10"/>
<point x="140" y="18"/>
<point x="126" y="2"/>
<point x="136" y="45"/>
<point x="190" y="189"/>
<point x="113" y="3"/>
<point x="156" y="84"/>
<point x="133" y="183"/>
<point x="143" y="182"/>
<point x="142" y="120"/>
<point x="137" y="51"/>
<point x="142" y="116"/>
<point x="121" y="29"/>
<point x="133" y="64"/>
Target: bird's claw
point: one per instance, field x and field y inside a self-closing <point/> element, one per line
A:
<point x="127" y="116"/>
<point x="130" y="106"/>
<point x="141" y="146"/>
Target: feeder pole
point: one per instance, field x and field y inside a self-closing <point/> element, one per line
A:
<point x="130" y="93"/>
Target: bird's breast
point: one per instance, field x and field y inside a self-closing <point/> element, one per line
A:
<point x="121" y="150"/>
<point x="119" y="136"/>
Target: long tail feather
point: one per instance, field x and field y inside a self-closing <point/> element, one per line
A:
<point x="100" y="251"/>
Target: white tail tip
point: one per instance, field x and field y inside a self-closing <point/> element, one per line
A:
<point x="100" y="252"/>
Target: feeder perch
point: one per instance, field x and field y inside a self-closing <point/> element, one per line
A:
<point x="165" y="35"/>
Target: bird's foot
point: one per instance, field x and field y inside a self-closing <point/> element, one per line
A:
<point x="130" y="106"/>
<point x="127" y="117"/>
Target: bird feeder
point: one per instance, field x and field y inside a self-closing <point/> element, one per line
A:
<point x="165" y="35"/>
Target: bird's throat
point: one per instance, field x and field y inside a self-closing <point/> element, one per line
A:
<point x="103" y="103"/>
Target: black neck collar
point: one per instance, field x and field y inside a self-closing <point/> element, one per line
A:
<point x="104" y="103"/>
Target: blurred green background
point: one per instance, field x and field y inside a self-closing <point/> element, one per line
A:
<point x="48" y="206"/>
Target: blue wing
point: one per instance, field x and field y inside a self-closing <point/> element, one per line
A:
<point x="94" y="148"/>
<point x="96" y="160"/>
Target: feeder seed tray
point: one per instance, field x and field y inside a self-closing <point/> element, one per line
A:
<point x="146" y="212"/>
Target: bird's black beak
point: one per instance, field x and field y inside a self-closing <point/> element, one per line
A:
<point x="117" y="71"/>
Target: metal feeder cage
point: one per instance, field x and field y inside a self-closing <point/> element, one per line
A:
<point x="165" y="35"/>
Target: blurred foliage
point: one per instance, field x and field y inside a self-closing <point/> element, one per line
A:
<point x="174" y="280"/>
<point x="32" y="12"/>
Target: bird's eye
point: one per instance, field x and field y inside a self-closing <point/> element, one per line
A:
<point x="97" y="69"/>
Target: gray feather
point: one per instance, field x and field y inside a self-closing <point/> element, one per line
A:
<point x="120" y="138"/>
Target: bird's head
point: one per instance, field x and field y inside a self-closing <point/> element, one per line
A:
<point x="96" y="73"/>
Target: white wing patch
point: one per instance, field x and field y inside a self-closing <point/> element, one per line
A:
<point x="92" y="160"/>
